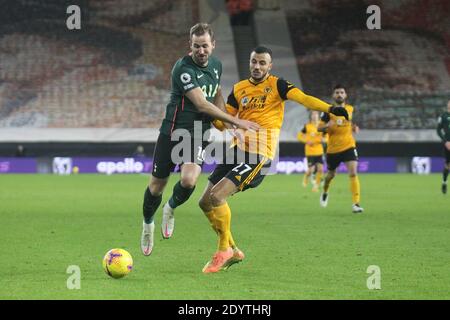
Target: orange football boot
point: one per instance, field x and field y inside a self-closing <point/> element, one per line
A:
<point x="219" y="259"/>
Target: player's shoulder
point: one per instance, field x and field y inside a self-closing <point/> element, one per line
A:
<point x="349" y="107"/>
<point x="274" y="78"/>
<point x="282" y="85"/>
<point x="278" y="80"/>
<point x="241" y="85"/>
<point x="325" y="117"/>
<point x="183" y="64"/>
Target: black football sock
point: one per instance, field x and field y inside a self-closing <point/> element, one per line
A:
<point x="151" y="204"/>
<point x="180" y="195"/>
<point x="445" y="175"/>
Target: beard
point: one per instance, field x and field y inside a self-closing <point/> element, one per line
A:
<point x="202" y="61"/>
<point x="259" y="78"/>
<point x="339" y="100"/>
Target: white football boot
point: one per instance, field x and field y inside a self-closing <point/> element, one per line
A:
<point x="147" y="238"/>
<point x="324" y="199"/>
<point x="356" y="208"/>
<point x="168" y="221"/>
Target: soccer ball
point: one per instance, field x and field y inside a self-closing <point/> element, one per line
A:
<point x="117" y="263"/>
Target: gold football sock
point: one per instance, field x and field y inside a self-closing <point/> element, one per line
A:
<point x="318" y="178"/>
<point x="210" y="216"/>
<point x="222" y="219"/>
<point x="305" y="179"/>
<point x="231" y="241"/>
<point x="355" y="188"/>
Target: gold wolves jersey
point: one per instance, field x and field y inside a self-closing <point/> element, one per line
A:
<point x="340" y="134"/>
<point x="262" y="103"/>
<point x="309" y="133"/>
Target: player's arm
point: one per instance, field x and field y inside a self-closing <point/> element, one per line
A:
<point x="301" y="136"/>
<point x="324" y="140"/>
<point x="324" y="137"/>
<point x="232" y="108"/>
<point x="197" y="97"/>
<point x="288" y="91"/>
<point x="440" y="129"/>
<point x="325" y="123"/>
<point x="219" y="102"/>
<point x="186" y="80"/>
<point x="441" y="132"/>
<point x="314" y="103"/>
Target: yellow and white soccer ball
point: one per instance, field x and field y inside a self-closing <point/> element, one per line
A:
<point x="117" y="263"/>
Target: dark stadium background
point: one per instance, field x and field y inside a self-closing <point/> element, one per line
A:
<point x="60" y="89"/>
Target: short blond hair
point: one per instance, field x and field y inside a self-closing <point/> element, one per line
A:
<point x="200" y="29"/>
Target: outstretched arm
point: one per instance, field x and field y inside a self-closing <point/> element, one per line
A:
<point x="309" y="102"/>
<point x="314" y="103"/>
<point x="198" y="99"/>
<point x="288" y="91"/>
<point x="440" y="129"/>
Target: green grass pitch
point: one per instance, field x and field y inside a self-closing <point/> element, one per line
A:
<point x="294" y="248"/>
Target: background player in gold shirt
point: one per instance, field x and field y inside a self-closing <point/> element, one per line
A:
<point x="259" y="99"/>
<point x="341" y="148"/>
<point x="313" y="141"/>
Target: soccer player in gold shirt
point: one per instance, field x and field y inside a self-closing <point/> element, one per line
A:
<point x="259" y="99"/>
<point x="341" y="148"/>
<point x="313" y="141"/>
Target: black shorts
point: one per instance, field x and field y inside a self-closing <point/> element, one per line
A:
<point x="447" y="155"/>
<point x="334" y="159"/>
<point x="313" y="160"/>
<point x="189" y="151"/>
<point x="244" y="169"/>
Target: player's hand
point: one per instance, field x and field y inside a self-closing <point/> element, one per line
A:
<point x="309" y="143"/>
<point x="219" y="125"/>
<point x="247" y="125"/>
<point x="239" y="134"/>
<point x="338" y="111"/>
<point x="355" y="129"/>
<point x="447" y="145"/>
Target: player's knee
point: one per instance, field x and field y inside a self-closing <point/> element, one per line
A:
<point x="216" y="198"/>
<point x="205" y="204"/>
<point x="156" y="189"/>
<point x="188" y="182"/>
<point x="352" y="174"/>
